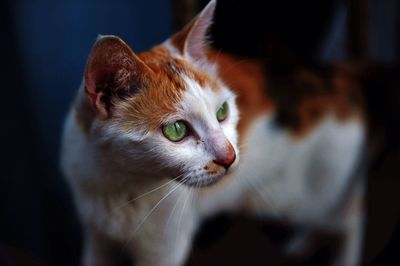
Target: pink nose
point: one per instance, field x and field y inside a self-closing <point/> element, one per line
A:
<point x="227" y="158"/>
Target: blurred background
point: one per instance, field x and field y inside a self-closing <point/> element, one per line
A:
<point x="44" y="45"/>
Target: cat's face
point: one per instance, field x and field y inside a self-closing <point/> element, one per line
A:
<point x="165" y="110"/>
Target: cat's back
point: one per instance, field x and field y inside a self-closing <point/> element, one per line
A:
<point x="301" y="138"/>
<point x="299" y="100"/>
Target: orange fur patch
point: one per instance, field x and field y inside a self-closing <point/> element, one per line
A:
<point x="214" y="169"/>
<point x="304" y="98"/>
<point x="163" y="90"/>
<point x="245" y="77"/>
<point x="301" y="102"/>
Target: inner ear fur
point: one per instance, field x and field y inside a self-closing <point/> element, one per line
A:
<point x="192" y="40"/>
<point x="113" y="72"/>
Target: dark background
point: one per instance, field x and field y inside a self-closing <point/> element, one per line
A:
<point x="44" y="45"/>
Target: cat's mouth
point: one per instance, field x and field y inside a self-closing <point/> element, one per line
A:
<point x="207" y="178"/>
<point x="203" y="181"/>
<point x="209" y="174"/>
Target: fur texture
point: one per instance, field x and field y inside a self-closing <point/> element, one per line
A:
<point x="141" y="192"/>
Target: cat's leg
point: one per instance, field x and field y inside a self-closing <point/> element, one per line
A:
<point x="347" y="223"/>
<point x="98" y="250"/>
<point x="353" y="226"/>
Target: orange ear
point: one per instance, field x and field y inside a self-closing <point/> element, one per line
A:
<point x="192" y="39"/>
<point x="113" y="72"/>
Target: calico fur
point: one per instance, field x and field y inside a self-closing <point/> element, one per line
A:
<point x="137" y="191"/>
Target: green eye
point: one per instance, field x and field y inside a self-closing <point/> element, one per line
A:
<point x="174" y="131"/>
<point x="222" y="112"/>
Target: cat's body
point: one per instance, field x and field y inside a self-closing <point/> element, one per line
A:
<point x="134" y="191"/>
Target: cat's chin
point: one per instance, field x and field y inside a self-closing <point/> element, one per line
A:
<point x="204" y="181"/>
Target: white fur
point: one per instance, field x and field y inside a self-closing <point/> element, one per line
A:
<point x="171" y="48"/>
<point x="126" y="189"/>
<point x="301" y="180"/>
<point x="104" y="182"/>
<point x="277" y="175"/>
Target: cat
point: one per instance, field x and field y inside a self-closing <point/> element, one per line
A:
<point x="158" y="141"/>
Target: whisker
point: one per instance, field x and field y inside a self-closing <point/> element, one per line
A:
<point x="172" y="211"/>
<point x="243" y="145"/>
<point x="149" y="192"/>
<point x="152" y="210"/>
<point x="182" y="211"/>
<point x="157" y="188"/>
<point x="197" y="186"/>
<point x="155" y="207"/>
<point x="266" y="197"/>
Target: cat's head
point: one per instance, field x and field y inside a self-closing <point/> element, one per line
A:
<point x="164" y="112"/>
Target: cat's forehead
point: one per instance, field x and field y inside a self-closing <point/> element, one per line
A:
<point x="172" y="79"/>
<point x="168" y="66"/>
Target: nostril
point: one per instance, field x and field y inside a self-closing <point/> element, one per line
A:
<point x="226" y="162"/>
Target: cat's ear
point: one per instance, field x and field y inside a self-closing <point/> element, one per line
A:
<point x="191" y="41"/>
<point x="113" y="72"/>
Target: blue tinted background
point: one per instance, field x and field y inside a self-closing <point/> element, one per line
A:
<point x="54" y="39"/>
<point x="43" y="53"/>
<point x="43" y="50"/>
